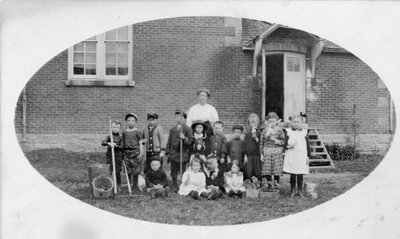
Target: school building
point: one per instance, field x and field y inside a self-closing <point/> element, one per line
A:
<point x="248" y="65"/>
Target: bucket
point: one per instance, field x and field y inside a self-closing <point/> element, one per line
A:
<point x="102" y="187"/>
<point x="252" y="193"/>
<point x="96" y="170"/>
<point x="310" y="187"/>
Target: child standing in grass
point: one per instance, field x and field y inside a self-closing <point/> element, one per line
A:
<point x="132" y="140"/>
<point x="177" y="133"/>
<point x="236" y="148"/>
<point x="193" y="181"/>
<point x="234" y="181"/>
<point x="117" y="140"/>
<point x="154" y="138"/>
<point x="218" y="144"/>
<point x="271" y="149"/>
<point x="214" y="179"/>
<point x="199" y="140"/>
<point x="156" y="180"/>
<point x="252" y="148"/>
<point x="296" y="156"/>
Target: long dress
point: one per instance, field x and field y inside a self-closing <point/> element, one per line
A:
<point x="197" y="182"/>
<point x="296" y="158"/>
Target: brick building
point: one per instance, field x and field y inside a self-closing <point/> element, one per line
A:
<point x="249" y="66"/>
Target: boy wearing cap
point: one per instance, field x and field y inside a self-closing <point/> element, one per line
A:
<point x="236" y="147"/>
<point x="156" y="180"/>
<point x="218" y="146"/>
<point x="154" y="139"/>
<point x="117" y="140"/>
<point x="132" y="140"/>
<point x="177" y="133"/>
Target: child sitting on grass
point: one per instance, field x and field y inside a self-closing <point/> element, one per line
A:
<point x="234" y="181"/>
<point x="156" y="180"/>
<point x="117" y="140"/>
<point x="296" y="156"/>
<point x="214" y="179"/>
<point x="193" y="181"/>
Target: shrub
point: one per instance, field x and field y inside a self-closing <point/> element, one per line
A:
<point x="342" y="152"/>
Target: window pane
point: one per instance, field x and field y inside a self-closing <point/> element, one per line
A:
<point x="296" y="68"/>
<point x="90" y="46"/>
<point x="122" y="58"/>
<point x="111" y="58"/>
<point x="78" y="69"/>
<point x="90" y="57"/>
<point x="78" y="47"/>
<point x="111" y="47"/>
<point x="123" y="70"/>
<point x="110" y="70"/>
<point x="123" y="34"/>
<point x="90" y="69"/>
<point x="290" y="64"/>
<point x="78" y="57"/>
<point x="111" y="35"/>
<point x="123" y="47"/>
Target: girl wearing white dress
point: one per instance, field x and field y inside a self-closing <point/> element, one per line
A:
<point x="296" y="156"/>
<point x="234" y="181"/>
<point x="193" y="181"/>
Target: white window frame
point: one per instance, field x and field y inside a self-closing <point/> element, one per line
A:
<point x="101" y="79"/>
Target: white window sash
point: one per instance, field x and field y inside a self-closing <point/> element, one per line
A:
<point x="101" y="61"/>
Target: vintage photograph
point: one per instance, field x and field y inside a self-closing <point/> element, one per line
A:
<point x="205" y="120"/>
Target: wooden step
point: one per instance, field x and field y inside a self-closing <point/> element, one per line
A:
<point x="319" y="160"/>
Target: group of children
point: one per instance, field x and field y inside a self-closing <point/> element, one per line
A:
<point x="211" y="164"/>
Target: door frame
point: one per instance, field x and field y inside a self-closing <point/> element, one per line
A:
<point x="264" y="79"/>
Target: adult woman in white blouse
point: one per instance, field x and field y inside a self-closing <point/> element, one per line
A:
<point x="203" y="111"/>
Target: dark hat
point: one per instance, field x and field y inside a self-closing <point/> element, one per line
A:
<point x="197" y="122"/>
<point x="130" y="115"/>
<point x="155" y="157"/>
<point x="181" y="112"/>
<point x="152" y="116"/>
<point x="238" y="127"/>
<point x="203" y="90"/>
<point x="219" y="122"/>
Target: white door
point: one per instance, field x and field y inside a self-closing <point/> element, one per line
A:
<point x="294" y="84"/>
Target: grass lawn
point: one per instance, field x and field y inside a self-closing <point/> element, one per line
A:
<point x="69" y="172"/>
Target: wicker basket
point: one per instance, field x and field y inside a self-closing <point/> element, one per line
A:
<point x="102" y="187"/>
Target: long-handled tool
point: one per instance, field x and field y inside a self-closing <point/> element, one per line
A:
<point x="180" y="152"/>
<point x="127" y="178"/>
<point x="113" y="160"/>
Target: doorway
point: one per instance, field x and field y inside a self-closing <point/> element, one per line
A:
<point x="274" y="84"/>
<point x="285" y="83"/>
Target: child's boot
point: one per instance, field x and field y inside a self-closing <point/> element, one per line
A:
<point x="166" y="191"/>
<point x="240" y="194"/>
<point x="174" y="184"/>
<point x="231" y="193"/>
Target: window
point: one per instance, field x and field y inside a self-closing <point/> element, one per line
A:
<point x="105" y="59"/>
<point x="293" y="64"/>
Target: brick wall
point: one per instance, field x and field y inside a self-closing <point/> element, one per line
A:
<point x="342" y="81"/>
<point x="172" y="59"/>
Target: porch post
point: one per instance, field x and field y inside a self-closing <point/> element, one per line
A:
<point x="264" y="87"/>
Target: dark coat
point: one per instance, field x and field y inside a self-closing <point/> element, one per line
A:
<point x="117" y="139"/>
<point x="173" y="146"/>
<point x="218" y="146"/>
<point x="215" y="180"/>
<point x="252" y="148"/>
<point x="236" y="150"/>
<point x="156" y="177"/>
